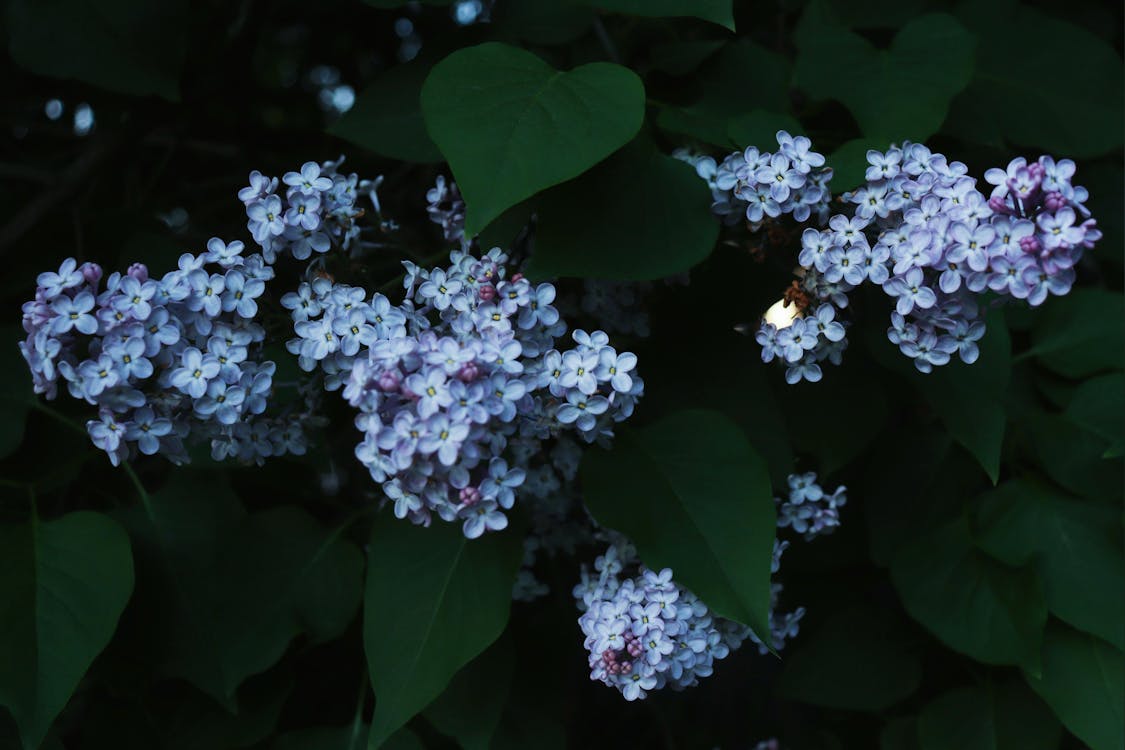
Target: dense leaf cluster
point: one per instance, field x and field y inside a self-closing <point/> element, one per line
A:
<point x="971" y="597"/>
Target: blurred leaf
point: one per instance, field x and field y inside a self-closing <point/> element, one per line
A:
<point x="876" y="14"/>
<point x="63" y="586"/>
<point x="1008" y="717"/>
<point x="759" y="128"/>
<point x="682" y="56"/>
<point x="510" y="125"/>
<point x="190" y="720"/>
<point x="1034" y="100"/>
<point x="541" y="21"/>
<point x="1084" y="684"/>
<point x="849" y="162"/>
<point x="974" y="604"/>
<point x="16" y="395"/>
<point x="679" y="229"/>
<point x="1075" y="544"/>
<point x="1099" y="406"/>
<point x="434" y="601"/>
<point x="716" y="11"/>
<point x="470" y="708"/>
<point x="324" y="738"/>
<point x="858" y="660"/>
<point x="901" y="92"/>
<point x="387" y="116"/>
<point x="228" y="592"/>
<point x="900" y="734"/>
<point x="693" y="496"/>
<point x="1081" y="334"/>
<point x="128" y="46"/>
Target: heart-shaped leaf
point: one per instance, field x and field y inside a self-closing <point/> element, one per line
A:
<point x="510" y="125"/>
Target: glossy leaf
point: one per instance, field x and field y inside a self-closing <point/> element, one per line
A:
<point x="979" y="606"/>
<point x="63" y="586"/>
<point x="434" y="601"/>
<point x="510" y="125"/>
<point x="693" y="495"/>
<point x="679" y="230"/>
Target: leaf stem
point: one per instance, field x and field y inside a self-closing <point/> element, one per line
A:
<point x="357" y="722"/>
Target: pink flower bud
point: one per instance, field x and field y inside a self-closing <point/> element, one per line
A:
<point x="138" y="271"/>
<point x="91" y="272"/>
<point x="468" y="372"/>
<point x="387" y="382"/>
<point x="470" y="496"/>
<point x="487" y="292"/>
<point x="516" y="277"/>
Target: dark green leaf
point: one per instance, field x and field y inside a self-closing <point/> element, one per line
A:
<point x="541" y="21"/>
<point x="228" y="592"/>
<point x="858" y="660"/>
<point x="510" y="125"/>
<point x="1077" y="547"/>
<point x="1084" y="684"/>
<point x="129" y="46"/>
<point x="716" y="11"/>
<point x="900" y="734"/>
<point x="849" y="162"/>
<point x="898" y="93"/>
<point x="324" y="738"/>
<point x="387" y="117"/>
<point x="434" y="601"/>
<point x="1033" y="103"/>
<point x="976" y="605"/>
<point x="693" y="495"/>
<point x="678" y="231"/>
<point x="470" y="708"/>
<point x="1071" y="455"/>
<point x="1008" y="717"/>
<point x="682" y="56"/>
<point x="1081" y="334"/>
<point x="759" y="128"/>
<point x="63" y="585"/>
<point x="1098" y="406"/>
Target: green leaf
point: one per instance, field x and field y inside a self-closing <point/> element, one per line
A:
<point x="849" y="162"/>
<point x="1033" y="103"/>
<point x="901" y="92"/>
<point x="1076" y="545"/>
<point x="1008" y="717"/>
<point x="1071" y="455"/>
<point x="128" y="46"/>
<point x="63" y="585"/>
<point x="387" y="116"/>
<point x="679" y="229"/>
<point x="1084" y="684"/>
<point x="434" y="601"/>
<point x="510" y="125"/>
<point x="226" y="592"/>
<point x="969" y="398"/>
<point x="976" y="605"/>
<point x="541" y="21"/>
<point x="858" y="660"/>
<point x="324" y="738"/>
<point x="900" y="734"/>
<point x="470" y="708"/>
<point x="1081" y="334"/>
<point x="680" y="57"/>
<point x="693" y="496"/>
<point x="759" y="128"/>
<point x="1098" y="406"/>
<point x="715" y="11"/>
<point x="15" y="391"/>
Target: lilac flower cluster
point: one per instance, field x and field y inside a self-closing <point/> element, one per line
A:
<point x="446" y="208"/>
<point x="162" y="359"/>
<point x="461" y="384"/>
<point x="809" y="510"/>
<point x="923" y="232"/>
<point x="803" y="342"/>
<point x="646" y="632"/>
<point x="317" y="211"/>
<point x="761" y="185"/>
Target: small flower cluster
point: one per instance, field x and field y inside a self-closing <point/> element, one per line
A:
<point x="810" y="511"/>
<point x="446" y="208"/>
<point x="319" y="209"/>
<point x="646" y="632"/>
<point x="803" y="342"/>
<point x="923" y="232"/>
<point x="761" y="185"/>
<point x="162" y="359"/>
<point x="460" y="385"/>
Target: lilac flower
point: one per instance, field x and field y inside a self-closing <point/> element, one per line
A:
<point x="195" y="371"/>
<point x="581" y="410"/>
<point x="54" y="284"/>
<point x="146" y="429"/>
<point x="74" y="314"/>
<point x="910" y="291"/>
<point x="309" y="180"/>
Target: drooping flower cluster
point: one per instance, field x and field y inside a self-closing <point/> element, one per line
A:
<point x="163" y="360"/>
<point x="809" y="510"/>
<point x="760" y="185"/>
<point x="923" y="232"/>
<point x="317" y="209"/>
<point x="460" y="385"/>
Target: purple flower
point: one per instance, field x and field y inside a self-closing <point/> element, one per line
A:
<point x="195" y="371"/>
<point x="74" y="313"/>
<point x="308" y="180"/>
<point x="910" y="291"/>
<point x="146" y="429"/>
